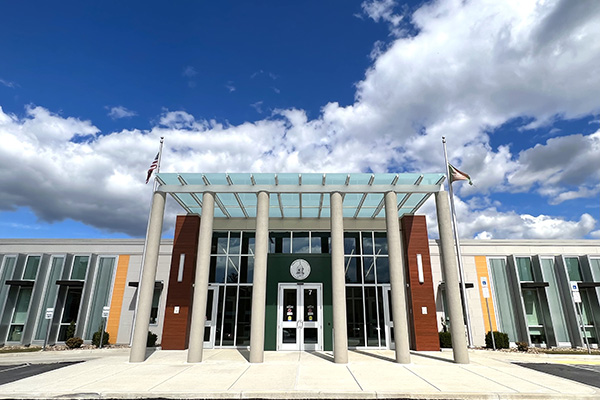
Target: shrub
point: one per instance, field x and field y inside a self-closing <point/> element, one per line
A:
<point x="96" y="338"/>
<point x="74" y="342"/>
<point x="152" y="338"/>
<point x="445" y="340"/>
<point x="522" y="346"/>
<point x="500" y="338"/>
<point x="70" y="331"/>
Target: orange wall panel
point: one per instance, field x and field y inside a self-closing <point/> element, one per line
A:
<point x="482" y="272"/>
<point x="116" y="302"/>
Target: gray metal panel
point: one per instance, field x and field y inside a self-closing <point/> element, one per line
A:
<point x="7" y="293"/>
<point x="86" y="295"/>
<point x="49" y="302"/>
<point x="538" y="274"/>
<point x="592" y="293"/>
<point x="568" y="304"/>
<point x="521" y="317"/>
<point x="36" y="297"/>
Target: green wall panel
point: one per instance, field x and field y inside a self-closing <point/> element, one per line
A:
<point x="278" y="271"/>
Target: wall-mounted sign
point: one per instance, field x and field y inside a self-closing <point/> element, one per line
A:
<point x="575" y="290"/>
<point x="105" y="311"/>
<point x="300" y="269"/>
<point x="49" y="313"/>
<point x="484" y="287"/>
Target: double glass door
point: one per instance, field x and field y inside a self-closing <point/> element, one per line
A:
<point x="300" y="316"/>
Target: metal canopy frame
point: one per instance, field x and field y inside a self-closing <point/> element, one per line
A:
<point x="300" y="195"/>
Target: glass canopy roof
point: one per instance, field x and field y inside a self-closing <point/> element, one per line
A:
<point x="299" y="195"/>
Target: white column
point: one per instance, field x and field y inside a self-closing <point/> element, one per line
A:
<point x="338" y="281"/>
<point x="196" y="343"/>
<point x="450" y="273"/>
<point x="397" y="279"/>
<point x="259" y="281"/>
<point x="146" y="286"/>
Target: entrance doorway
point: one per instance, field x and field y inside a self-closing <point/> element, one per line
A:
<point x="210" y="323"/>
<point x="389" y="320"/>
<point x="300" y="316"/>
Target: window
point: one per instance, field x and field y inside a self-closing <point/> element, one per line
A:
<point x="17" y="325"/>
<point x="70" y="312"/>
<point x="80" y="265"/>
<point x="31" y="268"/>
<point x="573" y="269"/>
<point x="525" y="269"/>
<point x="155" y="302"/>
<point x="100" y="295"/>
<point x="533" y="315"/>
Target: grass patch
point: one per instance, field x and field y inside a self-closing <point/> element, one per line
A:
<point x="20" y="350"/>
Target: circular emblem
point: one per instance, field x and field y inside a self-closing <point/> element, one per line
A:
<point x="300" y="269"/>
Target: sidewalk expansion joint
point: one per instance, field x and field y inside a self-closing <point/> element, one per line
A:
<point x="423" y="379"/>
<point x="489" y="379"/>
<point x="355" y="380"/>
<point x="238" y="378"/>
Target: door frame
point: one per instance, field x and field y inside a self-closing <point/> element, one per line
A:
<point x="300" y="324"/>
<point x="212" y="323"/>
<point x="389" y="324"/>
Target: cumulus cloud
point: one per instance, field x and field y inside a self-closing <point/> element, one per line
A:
<point x="563" y="168"/>
<point x="468" y="68"/>
<point x="119" y="112"/>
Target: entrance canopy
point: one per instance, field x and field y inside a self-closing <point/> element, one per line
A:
<point x="300" y="195"/>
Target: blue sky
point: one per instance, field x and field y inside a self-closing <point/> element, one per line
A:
<point x="87" y="89"/>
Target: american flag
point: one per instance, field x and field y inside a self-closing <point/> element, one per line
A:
<point x="153" y="166"/>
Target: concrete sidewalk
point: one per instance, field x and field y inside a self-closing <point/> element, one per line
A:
<point x="227" y="374"/>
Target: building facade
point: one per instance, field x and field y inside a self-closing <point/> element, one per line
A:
<point x="380" y="269"/>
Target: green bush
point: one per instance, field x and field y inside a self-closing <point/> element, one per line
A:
<point x="152" y="338"/>
<point x="445" y="340"/>
<point x="74" y="342"/>
<point x="500" y="338"/>
<point x="522" y="346"/>
<point x="96" y="338"/>
<point x="70" y="331"/>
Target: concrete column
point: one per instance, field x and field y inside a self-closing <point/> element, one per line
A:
<point x="450" y="273"/>
<point x="146" y="286"/>
<point x="259" y="285"/>
<point x="338" y="281"/>
<point x="397" y="279"/>
<point x="196" y="343"/>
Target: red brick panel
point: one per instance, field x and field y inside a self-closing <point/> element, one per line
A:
<point x="175" y="334"/>
<point x="423" y="327"/>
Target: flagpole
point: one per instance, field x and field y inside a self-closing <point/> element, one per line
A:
<point x="463" y="287"/>
<point x="160" y="149"/>
<point x="154" y="185"/>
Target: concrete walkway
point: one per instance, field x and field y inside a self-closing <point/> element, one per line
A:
<point x="227" y="374"/>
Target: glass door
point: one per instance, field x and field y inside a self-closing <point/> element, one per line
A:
<point x="389" y="319"/>
<point x="300" y="316"/>
<point x="210" y="323"/>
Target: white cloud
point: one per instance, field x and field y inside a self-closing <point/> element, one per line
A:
<point x="189" y="71"/>
<point x="382" y="10"/>
<point x="563" y="168"/>
<point x="8" y="83"/>
<point x="257" y="106"/>
<point x="230" y="86"/>
<point x="119" y="112"/>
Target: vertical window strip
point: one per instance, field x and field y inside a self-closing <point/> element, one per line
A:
<point x="181" y="266"/>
